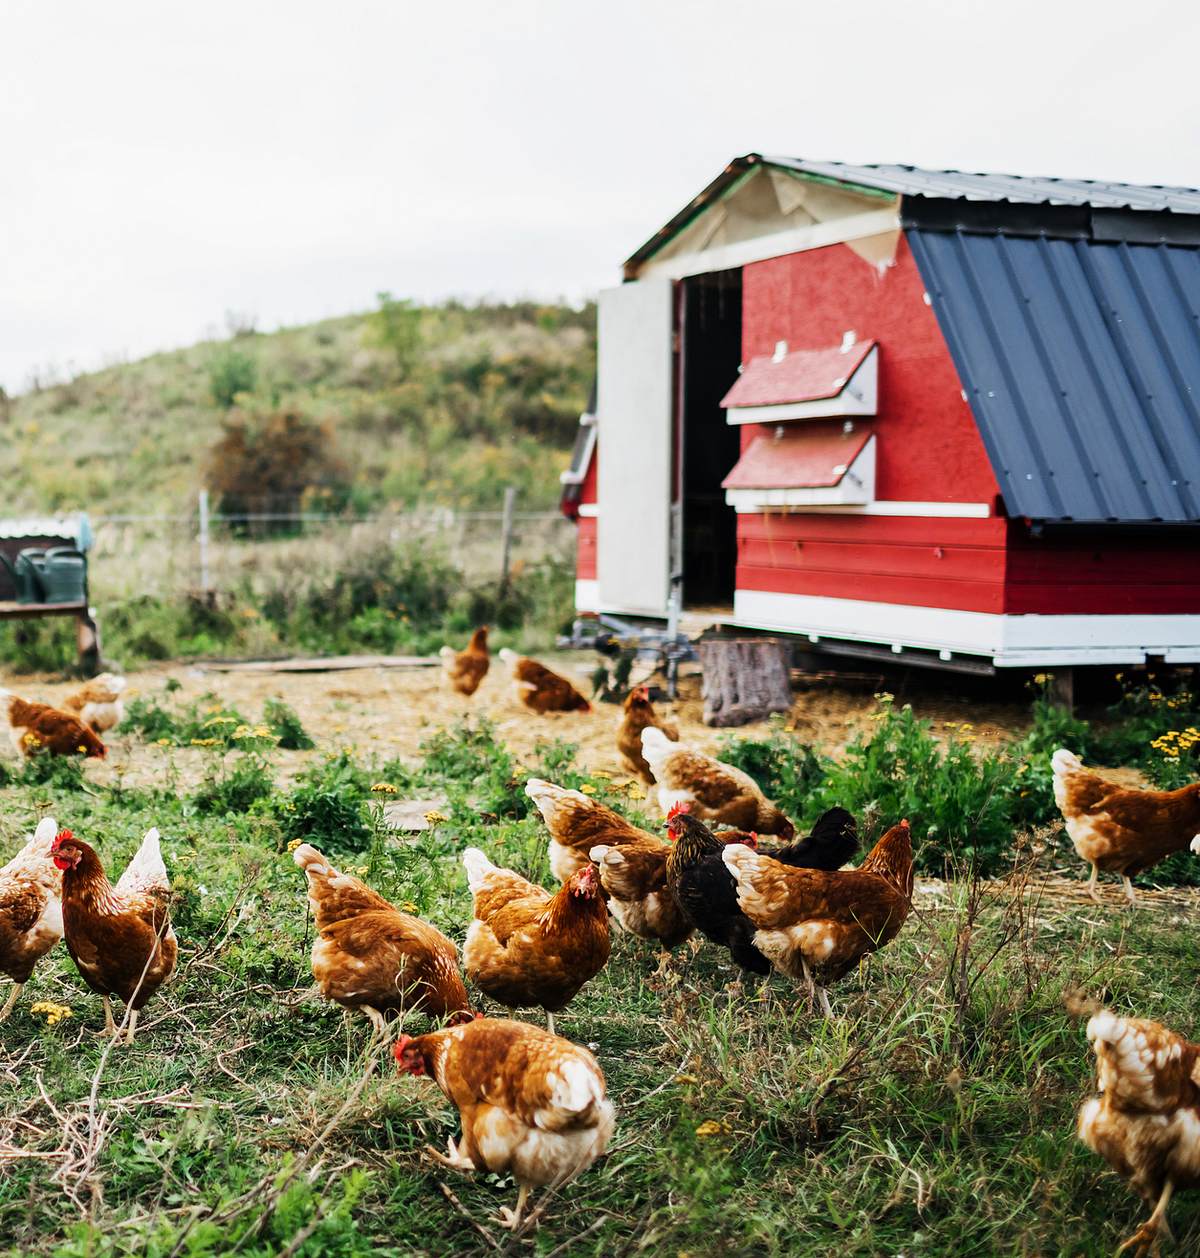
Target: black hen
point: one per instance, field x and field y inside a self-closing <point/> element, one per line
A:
<point x="833" y="841"/>
<point x="704" y="889"/>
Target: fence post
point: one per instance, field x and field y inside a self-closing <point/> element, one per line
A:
<point x="204" y="540"/>
<point x="506" y="532"/>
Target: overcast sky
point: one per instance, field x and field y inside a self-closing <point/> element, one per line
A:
<point x="165" y="163"/>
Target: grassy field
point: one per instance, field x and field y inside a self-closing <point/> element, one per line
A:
<point x="933" y="1116"/>
<point x="486" y="396"/>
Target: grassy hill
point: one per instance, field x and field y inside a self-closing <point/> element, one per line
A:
<point x="488" y="395"/>
<point x="439" y="407"/>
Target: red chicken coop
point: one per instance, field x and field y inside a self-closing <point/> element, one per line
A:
<point x="950" y="418"/>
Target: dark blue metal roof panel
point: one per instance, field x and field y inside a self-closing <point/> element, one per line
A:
<point x="1081" y="363"/>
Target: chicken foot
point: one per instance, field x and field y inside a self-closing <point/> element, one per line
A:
<point x="1146" y="1238"/>
<point x="12" y="1000"/>
<point x="110" y="1027"/>
<point x="453" y="1158"/>
<point x="512" y="1218"/>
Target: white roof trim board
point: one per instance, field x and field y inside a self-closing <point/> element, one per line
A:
<point x="71" y="528"/>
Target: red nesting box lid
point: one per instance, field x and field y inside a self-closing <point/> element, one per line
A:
<point x="799" y="459"/>
<point x="804" y="375"/>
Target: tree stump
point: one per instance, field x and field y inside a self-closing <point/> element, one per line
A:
<point x="745" y="679"/>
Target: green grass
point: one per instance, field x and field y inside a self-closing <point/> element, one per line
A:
<point x="932" y="1117"/>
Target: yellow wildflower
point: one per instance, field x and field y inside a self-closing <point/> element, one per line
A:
<point x="294" y="844"/>
<point x="54" y="1013"/>
<point x="1040" y="679"/>
<point x="384" y="788"/>
<point x="636" y="792"/>
<point x="164" y="742"/>
<point x="433" y="817"/>
<point x="686" y="1079"/>
<point x="588" y="789"/>
<point x="712" y="1128"/>
<point x="409" y="907"/>
<point x="81" y="749"/>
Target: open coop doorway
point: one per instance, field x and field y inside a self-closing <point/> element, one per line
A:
<point x="711" y="351"/>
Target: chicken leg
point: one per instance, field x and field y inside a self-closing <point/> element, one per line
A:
<point x="1146" y="1238"/>
<point x="12" y="1000"/>
<point x="133" y="1021"/>
<point x="110" y="1027"/>
<point x="512" y="1218"/>
<point x="1093" y="888"/>
<point x="378" y="1021"/>
<point x="1130" y="894"/>
<point x="549" y="1022"/>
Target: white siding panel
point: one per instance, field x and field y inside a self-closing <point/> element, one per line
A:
<point x="634" y="393"/>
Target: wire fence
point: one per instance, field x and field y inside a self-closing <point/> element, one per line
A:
<point x="198" y="550"/>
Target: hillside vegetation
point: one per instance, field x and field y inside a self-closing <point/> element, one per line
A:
<point x="442" y="405"/>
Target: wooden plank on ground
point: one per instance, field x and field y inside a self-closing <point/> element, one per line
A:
<point x="320" y="664"/>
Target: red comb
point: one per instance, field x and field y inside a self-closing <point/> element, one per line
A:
<point x="678" y="809"/>
<point x="400" y="1045"/>
<point x="61" y="837"/>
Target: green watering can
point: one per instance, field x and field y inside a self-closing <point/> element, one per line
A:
<point x="63" y="574"/>
<point x="26" y="574"/>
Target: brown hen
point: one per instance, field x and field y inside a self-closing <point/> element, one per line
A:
<point x="532" y="1105"/>
<point x="370" y="956"/>
<point x="30" y="909"/>
<point x="120" y="938"/>
<point x="465" y="670"/>
<point x="1120" y="830"/>
<point x="527" y="947"/>
<point x="815" y="924"/>
<point x="632" y="861"/>
<point x="539" y="689"/>
<point x="37" y="727"/>
<point x="1146" y="1121"/>
<point x="715" y="793"/>
<point x="640" y="715"/>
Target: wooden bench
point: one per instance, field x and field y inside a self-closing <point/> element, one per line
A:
<point x="87" y="632"/>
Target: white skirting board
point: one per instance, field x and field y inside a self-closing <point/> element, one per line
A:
<point x="587" y="596"/>
<point x="1010" y="641"/>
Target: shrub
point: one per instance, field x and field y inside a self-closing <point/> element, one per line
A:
<point x="476" y="770"/>
<point x="396" y="328"/>
<point x="236" y="790"/>
<point x="328" y="807"/>
<point x="283" y="722"/>
<point x="271" y="462"/>
<point x="231" y="372"/>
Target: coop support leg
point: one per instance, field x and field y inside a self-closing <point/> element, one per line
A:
<point x="87" y="640"/>
<point x="1062" y="688"/>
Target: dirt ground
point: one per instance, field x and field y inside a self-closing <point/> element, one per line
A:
<point x="387" y="712"/>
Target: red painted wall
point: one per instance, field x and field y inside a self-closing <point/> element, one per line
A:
<point x="588" y="489"/>
<point x="929" y="449"/>
<point x="585" y="548"/>
<point x="1093" y="573"/>
<point x="884" y="559"/>
<point x="927" y="446"/>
